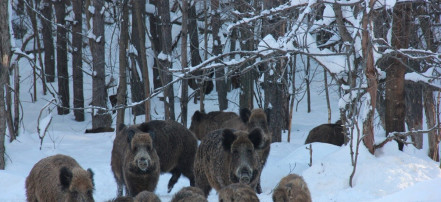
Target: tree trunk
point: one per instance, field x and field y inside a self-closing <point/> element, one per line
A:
<point x="395" y="106"/>
<point x="165" y="58"/>
<point x="308" y="82"/>
<point x="5" y="54"/>
<point x="276" y="89"/>
<point x="77" y="61"/>
<point x="139" y="8"/>
<point x="100" y="117"/>
<point x="184" y="32"/>
<point x="48" y="40"/>
<point x="430" y="112"/>
<point x="155" y="40"/>
<point x="221" y="85"/>
<point x="62" y="72"/>
<point x="371" y="75"/>
<point x="136" y="85"/>
<point x="123" y="63"/>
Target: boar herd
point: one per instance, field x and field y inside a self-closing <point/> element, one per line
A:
<point x="232" y="153"/>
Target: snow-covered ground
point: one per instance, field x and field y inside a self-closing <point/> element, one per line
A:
<point x="389" y="175"/>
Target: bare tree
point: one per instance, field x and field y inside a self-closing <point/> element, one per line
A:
<point x="123" y="62"/>
<point x="77" y="61"/>
<point x="184" y="91"/>
<point x="139" y="8"/>
<point x="100" y="117"/>
<point x="48" y="40"/>
<point x="395" y="106"/>
<point x="62" y="72"/>
<point x="5" y="54"/>
<point x="221" y="85"/>
<point x="165" y="58"/>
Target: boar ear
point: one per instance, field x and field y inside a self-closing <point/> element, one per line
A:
<point x="228" y="139"/>
<point x="267" y="113"/>
<point x="245" y="114"/>
<point x="256" y="137"/>
<point x="65" y="177"/>
<point x="197" y="116"/>
<point x="91" y="174"/>
<point x="120" y="127"/>
<point x="144" y="127"/>
<point x="130" y="134"/>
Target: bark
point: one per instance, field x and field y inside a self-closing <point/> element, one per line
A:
<point x="194" y="43"/>
<point x="166" y="63"/>
<point x="77" y="61"/>
<point x="139" y="8"/>
<point x="414" y="111"/>
<point x="430" y="112"/>
<point x="395" y="106"/>
<point x="276" y="89"/>
<point x="184" y="33"/>
<point x="62" y="72"/>
<point x="371" y="75"/>
<point x="5" y="54"/>
<point x="48" y="40"/>
<point x="221" y="86"/>
<point x="100" y="117"/>
<point x="308" y="82"/>
<point x="155" y="29"/>
<point x="123" y="63"/>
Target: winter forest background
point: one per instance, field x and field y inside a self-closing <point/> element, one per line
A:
<point x="376" y="62"/>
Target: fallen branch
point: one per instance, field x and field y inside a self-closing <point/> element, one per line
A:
<point x="402" y="136"/>
<point x="41" y="136"/>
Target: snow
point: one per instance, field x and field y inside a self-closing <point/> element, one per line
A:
<point x="91" y="9"/>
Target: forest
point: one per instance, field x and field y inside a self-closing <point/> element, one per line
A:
<point x="118" y="61"/>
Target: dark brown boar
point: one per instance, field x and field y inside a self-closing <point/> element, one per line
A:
<point x="135" y="163"/>
<point x="189" y="194"/>
<point x="59" y="178"/>
<point x="202" y="123"/>
<point x="228" y="156"/>
<point x="176" y="147"/>
<point x="327" y="133"/>
<point x="257" y="118"/>
<point x="292" y="188"/>
<point x="237" y="192"/>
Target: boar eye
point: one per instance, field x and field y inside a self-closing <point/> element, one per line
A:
<point x="249" y="151"/>
<point x="235" y="151"/>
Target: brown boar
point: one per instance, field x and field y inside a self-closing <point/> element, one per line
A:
<point x="202" y="123"/>
<point x="59" y="178"/>
<point x="146" y="196"/>
<point x="176" y="147"/>
<point x="292" y="188"/>
<point x="257" y="118"/>
<point x="327" y="133"/>
<point x="135" y="163"/>
<point x="237" y="192"/>
<point x="189" y="194"/>
<point x="228" y="156"/>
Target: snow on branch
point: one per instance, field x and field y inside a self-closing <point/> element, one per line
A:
<point x="402" y="136"/>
